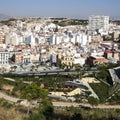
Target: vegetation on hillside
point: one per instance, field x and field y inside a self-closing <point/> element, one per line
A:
<point x="66" y="22"/>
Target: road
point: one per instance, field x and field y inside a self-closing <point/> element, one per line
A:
<point x="13" y="80"/>
<point x="61" y="104"/>
<point x="101" y="106"/>
<point x="9" y="98"/>
<point x="50" y="72"/>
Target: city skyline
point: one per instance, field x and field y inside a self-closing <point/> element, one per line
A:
<point x="60" y="8"/>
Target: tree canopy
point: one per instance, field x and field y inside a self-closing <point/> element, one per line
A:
<point x="32" y="92"/>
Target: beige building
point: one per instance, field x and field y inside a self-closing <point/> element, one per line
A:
<point x="67" y="60"/>
<point x="17" y="57"/>
<point x="116" y="35"/>
<point x="35" y="57"/>
<point x="96" y="38"/>
<point x="1" y="38"/>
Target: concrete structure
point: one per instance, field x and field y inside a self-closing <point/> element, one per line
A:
<point x="5" y="57"/>
<point x="53" y="58"/>
<point x="30" y="40"/>
<point x="115" y="75"/>
<point x="55" y="39"/>
<point x="82" y="85"/>
<point x="99" y="22"/>
<point x="81" y="38"/>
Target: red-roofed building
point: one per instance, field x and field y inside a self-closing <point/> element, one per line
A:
<point x="92" y="60"/>
<point x="112" y="54"/>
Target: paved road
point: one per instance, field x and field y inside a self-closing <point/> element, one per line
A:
<point x="13" y="80"/>
<point x="101" y="106"/>
<point x="9" y="98"/>
<point x="14" y="100"/>
<point x="61" y="104"/>
<point x="50" y="72"/>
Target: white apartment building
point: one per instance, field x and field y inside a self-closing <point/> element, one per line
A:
<point x="80" y="61"/>
<point x="31" y="40"/>
<point x="53" y="58"/>
<point x="27" y="58"/>
<point x="82" y="39"/>
<point x="99" y="22"/>
<point x="55" y="39"/>
<point x="5" y="57"/>
<point x="13" y="39"/>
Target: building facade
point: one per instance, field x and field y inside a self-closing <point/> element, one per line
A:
<point x="5" y="57"/>
<point x="67" y="60"/>
<point x="17" y="57"/>
<point x="99" y="22"/>
<point x="1" y="38"/>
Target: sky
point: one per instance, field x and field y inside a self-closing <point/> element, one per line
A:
<point x="60" y="8"/>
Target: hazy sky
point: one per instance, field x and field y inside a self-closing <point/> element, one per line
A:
<point x="60" y="8"/>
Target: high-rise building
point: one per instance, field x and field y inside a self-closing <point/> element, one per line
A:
<point x="99" y="22"/>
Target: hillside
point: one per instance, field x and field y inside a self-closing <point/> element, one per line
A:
<point x="4" y="17"/>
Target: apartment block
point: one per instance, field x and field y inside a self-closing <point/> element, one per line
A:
<point x="5" y="57"/>
<point x="99" y="22"/>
